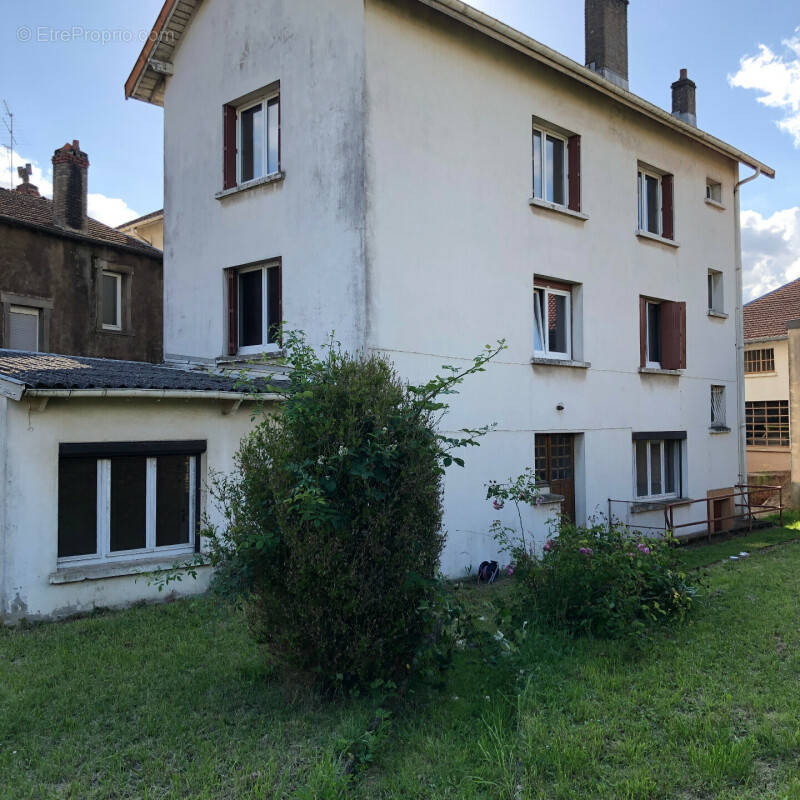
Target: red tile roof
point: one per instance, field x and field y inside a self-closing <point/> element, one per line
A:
<point x="767" y="315"/>
<point x="38" y="211"/>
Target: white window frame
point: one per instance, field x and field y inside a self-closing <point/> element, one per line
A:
<point x="677" y="477"/>
<point x="546" y="352"/>
<point x="643" y="208"/>
<point x="713" y="187"/>
<point x="717" y="286"/>
<point x="544" y="133"/>
<point x="117" y="326"/>
<point x="648" y="361"/>
<point x="30" y="312"/>
<point x="264" y="347"/>
<point x="264" y="101"/>
<point x="103" y="552"/>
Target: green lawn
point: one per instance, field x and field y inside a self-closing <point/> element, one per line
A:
<point x="170" y="701"/>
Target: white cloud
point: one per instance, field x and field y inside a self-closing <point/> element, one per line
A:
<point x="770" y="250"/>
<point x="112" y="211"/>
<point x="778" y="77"/>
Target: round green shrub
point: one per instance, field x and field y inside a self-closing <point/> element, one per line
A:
<point x="334" y="517"/>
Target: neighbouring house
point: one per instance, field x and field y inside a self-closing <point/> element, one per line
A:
<point x="103" y="477"/>
<point x="423" y="179"/>
<point x="70" y="284"/>
<point x="148" y="228"/>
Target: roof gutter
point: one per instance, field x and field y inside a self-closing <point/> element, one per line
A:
<point x="153" y="394"/>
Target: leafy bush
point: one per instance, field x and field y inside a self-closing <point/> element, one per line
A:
<point x="333" y="513"/>
<point x="601" y="580"/>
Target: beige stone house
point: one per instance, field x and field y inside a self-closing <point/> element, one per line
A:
<point x="148" y="228"/>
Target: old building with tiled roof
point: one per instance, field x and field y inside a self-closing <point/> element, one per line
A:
<point x="70" y="284"/>
<point x="767" y="386"/>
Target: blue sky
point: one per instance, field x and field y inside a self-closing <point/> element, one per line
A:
<point x="64" y="82"/>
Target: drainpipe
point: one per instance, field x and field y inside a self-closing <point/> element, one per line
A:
<point x="741" y="430"/>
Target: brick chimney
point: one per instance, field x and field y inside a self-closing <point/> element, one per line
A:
<point x="607" y="39"/>
<point x="70" y="184"/>
<point x="683" y="99"/>
<point x="26" y="187"/>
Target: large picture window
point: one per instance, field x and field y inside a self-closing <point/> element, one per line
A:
<point x="133" y="499"/>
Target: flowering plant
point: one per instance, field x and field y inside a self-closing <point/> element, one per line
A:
<point x="520" y="491"/>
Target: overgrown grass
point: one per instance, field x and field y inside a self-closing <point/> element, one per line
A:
<point x="702" y="553"/>
<point x="171" y="701"/>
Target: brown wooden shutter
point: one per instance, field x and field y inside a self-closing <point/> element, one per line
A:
<point x="233" y="310"/>
<point x="667" y="216"/>
<point x="673" y="335"/>
<point x="574" y="167"/>
<point x="229" y="146"/>
<point x="274" y="304"/>
<point x="642" y="332"/>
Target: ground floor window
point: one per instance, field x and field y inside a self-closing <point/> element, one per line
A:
<point x="767" y="422"/>
<point x="657" y="466"/>
<point x="127" y="499"/>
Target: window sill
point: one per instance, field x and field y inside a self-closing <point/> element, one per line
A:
<point x="715" y="429"/>
<point x="116" y="569"/>
<point x="548" y="499"/>
<point x="112" y="332"/>
<point x="652" y="237"/>
<point x="772" y="374"/>
<point x="536" y="202"/>
<point x="714" y="204"/>
<point x="243" y="187"/>
<point x="659" y="371"/>
<point x="717" y="314"/>
<point x="646" y="506"/>
<point x="542" y="361"/>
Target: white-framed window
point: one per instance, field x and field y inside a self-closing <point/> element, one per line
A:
<point x="23" y="327"/>
<point x="550" y="166"/>
<point x="112" y="300"/>
<point x="713" y="190"/>
<point x="718" y="406"/>
<point x="126" y="506"/>
<point x="657" y="468"/>
<point x="653" y="335"/>
<point x="258" y="308"/>
<point x="258" y="133"/>
<point x="552" y="313"/>
<point x="650" y="218"/>
<point x="716" y="301"/>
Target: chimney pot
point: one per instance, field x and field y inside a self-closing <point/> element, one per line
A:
<point x="70" y="187"/>
<point x="607" y="39"/>
<point x="684" y="105"/>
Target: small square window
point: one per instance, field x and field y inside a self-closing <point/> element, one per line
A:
<point x="112" y="301"/>
<point x="552" y="322"/>
<point x="718" y="407"/>
<point x="713" y="191"/>
<point x="715" y="295"/>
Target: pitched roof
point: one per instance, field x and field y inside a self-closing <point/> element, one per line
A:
<point x="38" y="211"/>
<point x="766" y="316"/>
<point x="148" y="76"/>
<point x="153" y="215"/>
<point x="52" y="371"/>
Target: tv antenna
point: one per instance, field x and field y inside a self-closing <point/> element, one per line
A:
<point x="8" y="121"/>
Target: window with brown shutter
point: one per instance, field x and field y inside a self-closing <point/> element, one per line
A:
<point x="662" y="334"/>
<point x="229" y="146"/>
<point x="255" y="307"/>
<point x="655" y="200"/>
<point x="574" y="171"/>
<point x="232" y="289"/>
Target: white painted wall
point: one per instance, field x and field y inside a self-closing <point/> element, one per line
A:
<point x="769" y="385"/>
<point x="453" y="246"/>
<point x="404" y="224"/>
<point x="314" y="218"/>
<point x="29" y="536"/>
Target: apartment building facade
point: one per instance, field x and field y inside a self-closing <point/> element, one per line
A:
<point x="424" y="180"/>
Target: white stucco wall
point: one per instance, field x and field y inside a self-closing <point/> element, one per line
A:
<point x="314" y="218"/>
<point x="769" y="385"/>
<point x="404" y="223"/>
<point x="453" y="246"/>
<point x="29" y="536"/>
